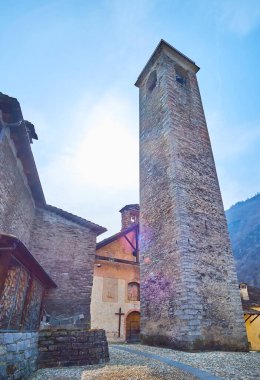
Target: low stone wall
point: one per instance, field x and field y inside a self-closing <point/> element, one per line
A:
<point x="69" y="347"/>
<point x="18" y="354"/>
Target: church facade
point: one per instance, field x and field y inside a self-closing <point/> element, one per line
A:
<point x="115" y="301"/>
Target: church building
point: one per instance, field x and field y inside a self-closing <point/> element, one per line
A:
<point x="115" y="302"/>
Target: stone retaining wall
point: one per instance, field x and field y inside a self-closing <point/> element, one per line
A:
<point x="18" y="355"/>
<point x="63" y="347"/>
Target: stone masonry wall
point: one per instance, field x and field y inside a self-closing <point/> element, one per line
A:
<point x="59" y="348"/>
<point x="67" y="252"/>
<point x="18" y="355"/>
<point x="189" y="290"/>
<point x="16" y="202"/>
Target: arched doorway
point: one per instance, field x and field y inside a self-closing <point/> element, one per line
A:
<point x="133" y="327"/>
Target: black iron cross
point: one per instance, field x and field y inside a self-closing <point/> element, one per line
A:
<point x="119" y="322"/>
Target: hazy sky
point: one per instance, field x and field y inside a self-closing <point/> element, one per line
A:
<point x="73" y="64"/>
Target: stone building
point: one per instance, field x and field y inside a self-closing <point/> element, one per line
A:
<point x="115" y="301"/>
<point x="189" y="289"/>
<point x="63" y="244"/>
<point x="23" y="283"/>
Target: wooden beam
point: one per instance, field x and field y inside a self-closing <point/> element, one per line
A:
<point x="254" y="318"/>
<point x="112" y="260"/>
<point x="137" y="243"/>
<point x="134" y="248"/>
<point x="44" y="293"/>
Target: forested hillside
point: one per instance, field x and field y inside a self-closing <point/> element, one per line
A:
<point x="244" y="227"/>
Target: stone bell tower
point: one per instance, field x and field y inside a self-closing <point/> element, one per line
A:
<point x="189" y="291"/>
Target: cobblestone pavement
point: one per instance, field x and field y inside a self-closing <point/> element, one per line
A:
<point x="128" y="366"/>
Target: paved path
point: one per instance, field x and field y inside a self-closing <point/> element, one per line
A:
<point x="138" y="362"/>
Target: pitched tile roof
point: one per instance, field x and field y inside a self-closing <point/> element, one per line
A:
<point x="116" y="236"/>
<point x="76" y="219"/>
<point x="254" y="297"/>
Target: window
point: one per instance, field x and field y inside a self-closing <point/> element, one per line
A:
<point x="133" y="291"/>
<point x="151" y="81"/>
<point x="1" y="126"/>
<point x="180" y="79"/>
<point x="180" y="75"/>
<point x="1" y="132"/>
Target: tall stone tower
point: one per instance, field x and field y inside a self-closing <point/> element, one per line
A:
<point x="189" y="291"/>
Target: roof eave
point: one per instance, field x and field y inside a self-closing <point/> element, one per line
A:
<point x="116" y="236"/>
<point x="29" y="261"/>
<point x="134" y="207"/>
<point x="21" y="139"/>
<point x="76" y="219"/>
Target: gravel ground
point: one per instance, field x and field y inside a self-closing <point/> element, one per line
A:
<point x="122" y="366"/>
<point x="228" y="365"/>
<point x="126" y="366"/>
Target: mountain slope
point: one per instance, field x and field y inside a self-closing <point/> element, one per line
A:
<point x="244" y="228"/>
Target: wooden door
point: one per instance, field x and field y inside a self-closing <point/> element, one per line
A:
<point x="133" y="327"/>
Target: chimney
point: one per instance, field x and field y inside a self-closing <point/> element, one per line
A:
<point x="243" y="291"/>
<point x="129" y="216"/>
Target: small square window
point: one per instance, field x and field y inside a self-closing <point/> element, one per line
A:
<point x="1" y="131"/>
<point x="181" y="80"/>
<point x="151" y="81"/>
<point x="180" y="75"/>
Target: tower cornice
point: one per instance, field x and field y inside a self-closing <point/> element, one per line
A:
<point x="175" y="54"/>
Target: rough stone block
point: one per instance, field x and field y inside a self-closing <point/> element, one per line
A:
<point x="11" y="347"/>
<point x="8" y="338"/>
<point x="3" y="373"/>
<point x="18" y="336"/>
<point x="2" y="350"/>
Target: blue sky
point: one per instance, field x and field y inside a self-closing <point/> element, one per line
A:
<point x="73" y="64"/>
